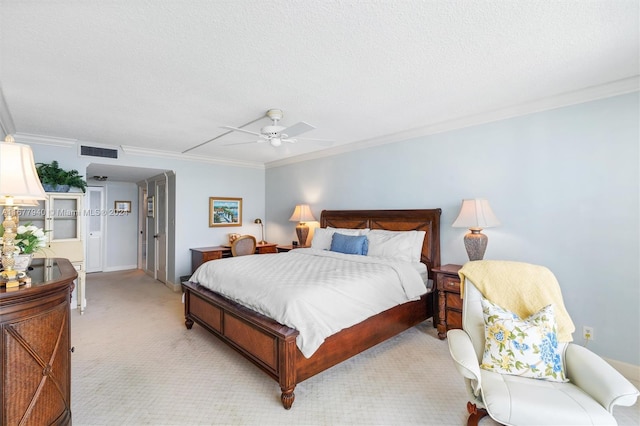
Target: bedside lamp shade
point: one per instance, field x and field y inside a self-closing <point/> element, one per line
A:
<point x="475" y="215"/>
<point x="302" y="214"/>
<point x="18" y="176"/>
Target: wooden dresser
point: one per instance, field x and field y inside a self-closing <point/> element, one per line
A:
<point x="35" y="353"/>
<point x="449" y="301"/>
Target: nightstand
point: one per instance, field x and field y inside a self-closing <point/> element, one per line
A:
<point x="449" y="301"/>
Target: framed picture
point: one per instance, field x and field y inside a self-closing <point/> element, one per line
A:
<point x="225" y="211"/>
<point x="151" y="206"/>
<point x="122" y="206"/>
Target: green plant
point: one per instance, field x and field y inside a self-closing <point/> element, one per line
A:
<point x="30" y="238"/>
<point x="52" y="174"/>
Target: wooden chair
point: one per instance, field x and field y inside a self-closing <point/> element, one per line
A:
<point x="243" y="245"/>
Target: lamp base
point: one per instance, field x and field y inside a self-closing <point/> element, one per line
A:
<point x="302" y="231"/>
<point x="476" y="244"/>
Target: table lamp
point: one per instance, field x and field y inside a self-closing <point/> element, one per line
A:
<point x="258" y="220"/>
<point x="475" y="214"/>
<point x="19" y="185"/>
<point x="302" y="214"/>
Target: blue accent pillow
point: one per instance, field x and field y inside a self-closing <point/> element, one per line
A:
<point x="350" y="244"/>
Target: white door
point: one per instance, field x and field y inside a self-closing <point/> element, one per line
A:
<point x="161" y="231"/>
<point x="95" y="226"/>
<point x="142" y="226"/>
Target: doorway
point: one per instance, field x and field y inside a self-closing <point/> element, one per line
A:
<point x="160" y="235"/>
<point x="95" y="228"/>
<point x="142" y="228"/>
<point x="157" y="234"/>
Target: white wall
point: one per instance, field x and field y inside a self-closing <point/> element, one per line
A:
<point x="195" y="183"/>
<point x="565" y="184"/>
<point x="121" y="230"/>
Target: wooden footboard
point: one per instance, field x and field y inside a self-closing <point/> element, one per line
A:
<point x="263" y="341"/>
<point x="272" y="346"/>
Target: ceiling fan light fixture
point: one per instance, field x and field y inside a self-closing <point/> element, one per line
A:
<point x="274" y="133"/>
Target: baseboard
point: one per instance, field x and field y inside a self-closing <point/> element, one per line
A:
<point x="630" y="371"/>
<point x="173" y="286"/>
<point x="119" y="268"/>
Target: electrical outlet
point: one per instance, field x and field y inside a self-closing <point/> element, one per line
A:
<point x="587" y="333"/>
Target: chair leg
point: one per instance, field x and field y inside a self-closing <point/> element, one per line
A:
<point x="475" y="414"/>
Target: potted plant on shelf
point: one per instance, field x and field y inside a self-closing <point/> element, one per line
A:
<point x="56" y="179"/>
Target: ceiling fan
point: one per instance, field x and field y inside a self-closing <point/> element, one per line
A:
<point x="275" y="134"/>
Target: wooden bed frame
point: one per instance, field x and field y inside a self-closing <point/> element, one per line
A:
<point x="272" y="346"/>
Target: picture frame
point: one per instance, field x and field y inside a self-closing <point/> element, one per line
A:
<point x="225" y="211"/>
<point x="151" y="206"/>
<point x="122" y="206"/>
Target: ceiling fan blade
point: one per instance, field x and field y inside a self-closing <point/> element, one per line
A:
<point x="241" y="130"/>
<point x="298" y="129"/>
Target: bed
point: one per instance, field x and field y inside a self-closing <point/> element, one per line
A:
<point x="272" y="346"/>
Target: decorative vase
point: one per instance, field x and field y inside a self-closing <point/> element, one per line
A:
<point x="22" y="261"/>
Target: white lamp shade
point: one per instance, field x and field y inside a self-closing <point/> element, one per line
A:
<point x="302" y="213"/>
<point x="475" y="213"/>
<point x="18" y="176"/>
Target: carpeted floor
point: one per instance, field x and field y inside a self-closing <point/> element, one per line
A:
<point x="135" y="363"/>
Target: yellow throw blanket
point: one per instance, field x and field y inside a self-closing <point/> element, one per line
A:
<point x="522" y="288"/>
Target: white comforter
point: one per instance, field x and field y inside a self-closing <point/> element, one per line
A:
<point x="317" y="292"/>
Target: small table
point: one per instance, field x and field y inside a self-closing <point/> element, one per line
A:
<point x="449" y="301"/>
<point x="204" y="254"/>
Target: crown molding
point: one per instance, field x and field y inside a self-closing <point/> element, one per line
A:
<point x="6" y="121"/>
<point x="615" y="88"/>
<point x="619" y="87"/>
<point x="44" y="140"/>
<point x="189" y="157"/>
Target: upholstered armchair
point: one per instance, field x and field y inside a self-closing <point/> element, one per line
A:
<point x="593" y="388"/>
<point x="243" y="245"/>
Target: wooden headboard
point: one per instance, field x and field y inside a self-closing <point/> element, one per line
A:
<point x="427" y="220"/>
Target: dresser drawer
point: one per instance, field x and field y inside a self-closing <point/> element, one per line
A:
<point x="454" y="319"/>
<point x="450" y="284"/>
<point x="454" y="301"/>
<point x="211" y="255"/>
<point x="267" y="250"/>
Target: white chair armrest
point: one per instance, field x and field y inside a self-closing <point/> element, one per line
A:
<point x="598" y="378"/>
<point x="464" y="357"/>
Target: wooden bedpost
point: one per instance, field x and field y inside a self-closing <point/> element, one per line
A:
<point x="288" y="374"/>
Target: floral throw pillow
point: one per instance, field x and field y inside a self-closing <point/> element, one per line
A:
<point x="527" y="348"/>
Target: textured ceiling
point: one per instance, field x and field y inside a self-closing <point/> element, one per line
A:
<point x="166" y="75"/>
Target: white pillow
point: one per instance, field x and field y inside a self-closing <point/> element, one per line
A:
<point x="405" y="246"/>
<point x="322" y="236"/>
